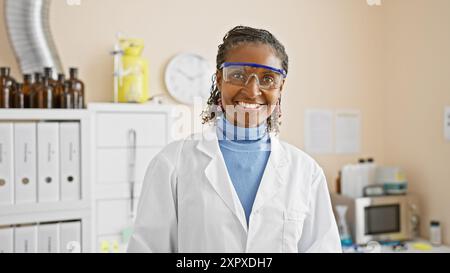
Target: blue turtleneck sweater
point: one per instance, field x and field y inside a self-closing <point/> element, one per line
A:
<point x="246" y="152"/>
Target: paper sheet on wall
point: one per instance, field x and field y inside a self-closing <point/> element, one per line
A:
<point x="347" y="132"/>
<point x="319" y="131"/>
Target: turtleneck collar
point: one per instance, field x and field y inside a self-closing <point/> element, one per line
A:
<point x="242" y="139"/>
<point x="228" y="131"/>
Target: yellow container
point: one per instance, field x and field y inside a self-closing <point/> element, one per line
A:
<point x="133" y="82"/>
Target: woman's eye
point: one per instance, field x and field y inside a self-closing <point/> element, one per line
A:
<point x="237" y="76"/>
<point x="268" y="79"/>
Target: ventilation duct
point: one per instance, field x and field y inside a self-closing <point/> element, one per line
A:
<point x="27" y="23"/>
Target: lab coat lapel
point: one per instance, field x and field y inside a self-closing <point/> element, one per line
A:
<point x="273" y="177"/>
<point x="217" y="175"/>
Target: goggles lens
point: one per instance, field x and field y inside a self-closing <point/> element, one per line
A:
<point x="240" y="74"/>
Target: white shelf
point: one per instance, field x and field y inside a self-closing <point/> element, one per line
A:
<point x="131" y="107"/>
<point x="29" y="213"/>
<point x="43" y="114"/>
<point x="32" y="208"/>
<point x="41" y="216"/>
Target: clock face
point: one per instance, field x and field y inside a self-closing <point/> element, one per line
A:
<point x="188" y="76"/>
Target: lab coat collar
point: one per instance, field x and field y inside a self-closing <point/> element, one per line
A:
<point x="216" y="171"/>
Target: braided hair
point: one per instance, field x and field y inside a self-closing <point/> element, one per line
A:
<point x="236" y="37"/>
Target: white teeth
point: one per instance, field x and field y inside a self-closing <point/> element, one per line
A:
<point x="249" y="105"/>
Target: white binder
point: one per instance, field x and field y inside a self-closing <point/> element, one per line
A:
<point x="25" y="162"/>
<point x="70" y="161"/>
<point x="70" y="237"/>
<point x="6" y="164"/>
<point x="48" y="161"/>
<point x="25" y="239"/>
<point x="48" y="238"/>
<point x="6" y="240"/>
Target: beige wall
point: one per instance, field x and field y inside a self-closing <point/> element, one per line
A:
<point x="6" y="54"/>
<point x="343" y="54"/>
<point x="417" y="73"/>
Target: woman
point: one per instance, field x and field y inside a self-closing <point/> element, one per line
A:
<point x="236" y="187"/>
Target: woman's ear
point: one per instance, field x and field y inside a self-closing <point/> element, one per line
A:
<point x="282" y="85"/>
<point x="219" y="79"/>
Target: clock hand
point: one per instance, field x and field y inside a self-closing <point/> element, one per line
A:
<point x="184" y="74"/>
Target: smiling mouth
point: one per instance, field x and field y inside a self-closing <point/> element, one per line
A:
<point x="249" y="106"/>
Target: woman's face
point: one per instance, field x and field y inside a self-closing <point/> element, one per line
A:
<point x="235" y="99"/>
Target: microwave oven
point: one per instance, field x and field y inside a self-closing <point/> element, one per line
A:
<point x="380" y="218"/>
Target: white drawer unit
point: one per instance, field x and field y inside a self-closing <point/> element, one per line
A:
<point x="113" y="130"/>
<point x="126" y="138"/>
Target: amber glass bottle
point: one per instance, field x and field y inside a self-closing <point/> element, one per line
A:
<point x="65" y="99"/>
<point x="18" y="97"/>
<point x="26" y="88"/>
<point x="6" y="87"/>
<point x="47" y="89"/>
<point x="58" y="90"/>
<point x="42" y="95"/>
<point x="2" y="76"/>
<point x="35" y="89"/>
<point x="5" y="94"/>
<point x="48" y="73"/>
<point x="77" y="88"/>
<point x="5" y="74"/>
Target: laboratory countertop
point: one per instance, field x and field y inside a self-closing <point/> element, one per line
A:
<point x="416" y="246"/>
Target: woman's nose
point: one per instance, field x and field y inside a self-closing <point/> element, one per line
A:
<point x="252" y="87"/>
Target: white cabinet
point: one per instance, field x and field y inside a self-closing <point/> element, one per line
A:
<point x="44" y="179"/>
<point x="97" y="153"/>
<point x="126" y="138"/>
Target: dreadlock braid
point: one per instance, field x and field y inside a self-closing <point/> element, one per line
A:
<point x="235" y="37"/>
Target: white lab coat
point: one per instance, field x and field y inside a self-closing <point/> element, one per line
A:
<point x="188" y="203"/>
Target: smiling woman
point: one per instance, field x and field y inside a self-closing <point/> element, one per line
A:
<point x="236" y="187"/>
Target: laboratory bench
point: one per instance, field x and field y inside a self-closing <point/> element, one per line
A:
<point x="416" y="246"/>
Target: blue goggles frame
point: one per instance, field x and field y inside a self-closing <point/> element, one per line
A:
<point x="281" y="71"/>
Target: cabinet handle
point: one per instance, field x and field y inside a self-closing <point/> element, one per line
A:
<point x="131" y="166"/>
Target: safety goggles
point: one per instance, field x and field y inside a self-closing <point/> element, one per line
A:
<point x="239" y="74"/>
